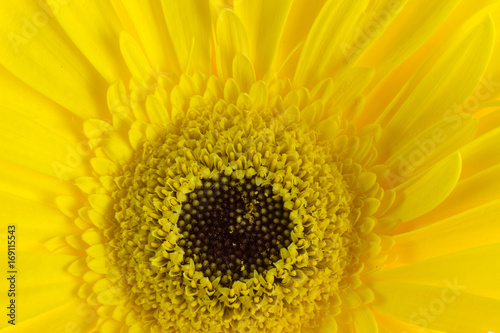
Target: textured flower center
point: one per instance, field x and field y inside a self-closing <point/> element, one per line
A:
<point x="232" y="227"/>
<point x="234" y="212"/>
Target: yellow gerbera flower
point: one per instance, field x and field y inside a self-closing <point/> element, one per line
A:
<point x="250" y="166"/>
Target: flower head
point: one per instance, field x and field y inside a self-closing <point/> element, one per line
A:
<point x="240" y="166"/>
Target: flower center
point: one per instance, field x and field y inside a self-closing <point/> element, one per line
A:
<point x="233" y="211"/>
<point x="232" y="227"/>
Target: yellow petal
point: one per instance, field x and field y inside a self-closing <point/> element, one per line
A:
<point x="300" y="19"/>
<point x="378" y="18"/>
<point x="110" y="326"/>
<point x="389" y="324"/>
<point x="76" y="315"/>
<point x="364" y="321"/>
<point x="231" y="40"/>
<point x="422" y="193"/>
<point x="93" y="26"/>
<point x="137" y="134"/>
<point x="43" y="297"/>
<point x="76" y="242"/>
<point x="481" y="154"/>
<point x="97" y="251"/>
<point x="37" y="52"/>
<point x="36" y="107"/>
<point x="259" y="94"/>
<point x="29" y="144"/>
<point x="447" y="307"/>
<point x="156" y="111"/>
<point x="99" y="265"/>
<point x="263" y="21"/>
<point x="322" y="53"/>
<point x="149" y="23"/>
<point x="92" y="237"/>
<point x="349" y="85"/>
<point x="329" y="325"/>
<point x="493" y="69"/>
<point x="472" y="268"/>
<point x="327" y="128"/>
<point x="68" y="205"/>
<point x="101" y="203"/>
<point x="231" y="91"/>
<point x="189" y="25"/>
<point x="447" y="21"/>
<point x="410" y="157"/>
<point x="116" y="148"/>
<point x="88" y="185"/>
<point x="119" y="106"/>
<point x="42" y="283"/>
<point x="439" y="93"/>
<point x="135" y="59"/>
<point x="489" y="122"/>
<point x="27" y="215"/>
<point x="243" y="72"/>
<point x="26" y="183"/>
<point x="78" y="268"/>
<point x="103" y="166"/>
<point x="469" y="193"/>
<point x="401" y="38"/>
<point x="479" y="226"/>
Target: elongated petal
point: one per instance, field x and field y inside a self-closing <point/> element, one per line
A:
<point x="401" y="38"/>
<point x="231" y="40"/>
<point x="264" y="22"/>
<point x="364" y="320"/>
<point x="465" y="14"/>
<point x="432" y="95"/>
<point x="149" y="22"/>
<point x="93" y="26"/>
<point x="322" y="52"/>
<point x="29" y="144"/>
<point x="468" y="193"/>
<point x="27" y="214"/>
<point x="299" y="22"/>
<point x="430" y="146"/>
<point x="189" y="25"/>
<point x="243" y="72"/>
<point x="59" y="319"/>
<point x="36" y="107"/>
<point x="481" y="154"/>
<point x="38" y="53"/>
<point x="448" y="307"/>
<point x="422" y="193"/>
<point x="25" y="182"/>
<point x="479" y="226"/>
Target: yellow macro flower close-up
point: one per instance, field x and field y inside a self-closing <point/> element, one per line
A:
<point x="265" y="166"/>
